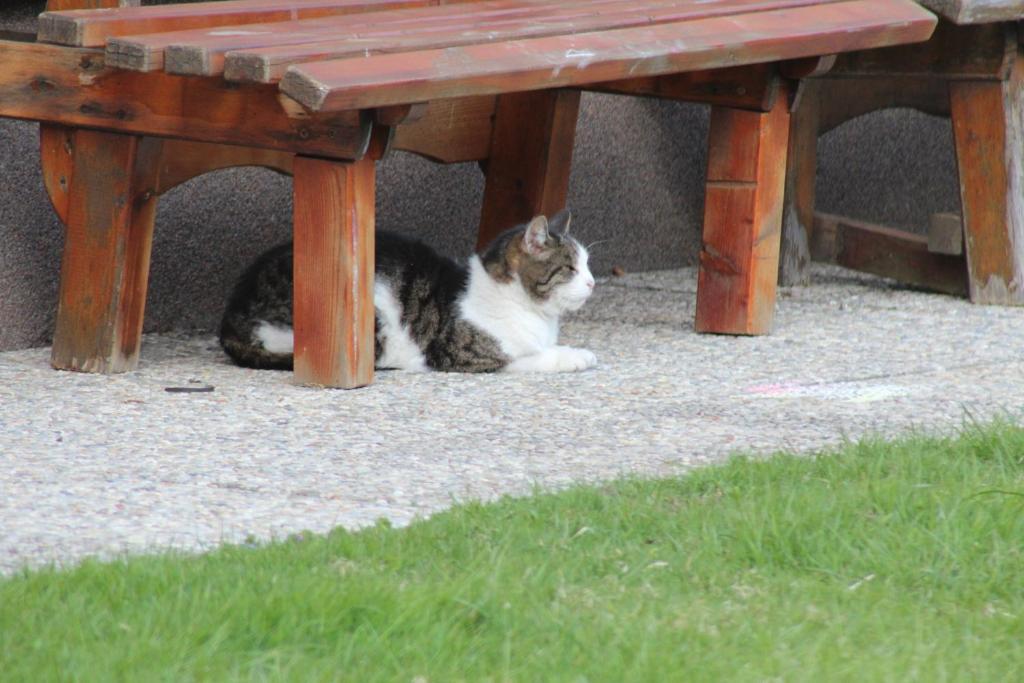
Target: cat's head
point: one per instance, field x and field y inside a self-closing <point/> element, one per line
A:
<point x="551" y="266"/>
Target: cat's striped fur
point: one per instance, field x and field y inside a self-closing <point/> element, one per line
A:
<point x="498" y="312"/>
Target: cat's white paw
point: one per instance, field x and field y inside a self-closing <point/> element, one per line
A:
<point x="555" y="359"/>
<point x="573" y="360"/>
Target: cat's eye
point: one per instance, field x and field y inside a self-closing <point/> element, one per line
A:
<point x="571" y="269"/>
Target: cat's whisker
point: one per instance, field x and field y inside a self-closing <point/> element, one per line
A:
<point x="593" y="244"/>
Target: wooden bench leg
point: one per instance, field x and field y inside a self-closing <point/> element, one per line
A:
<point x="739" y="260"/>
<point x="988" y="128"/>
<point x="530" y="159"/>
<point x="111" y="204"/>
<point x="333" y="271"/>
<point x="801" y="172"/>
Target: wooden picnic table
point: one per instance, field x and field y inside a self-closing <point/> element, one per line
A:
<point x="135" y="100"/>
<point x="971" y="69"/>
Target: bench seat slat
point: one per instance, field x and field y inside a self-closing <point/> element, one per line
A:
<point x="201" y="51"/>
<point x="92" y="28"/>
<point x="268" y="64"/>
<point x="559" y="61"/>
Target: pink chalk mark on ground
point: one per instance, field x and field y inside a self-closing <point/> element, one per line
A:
<point x="853" y="392"/>
<point x="776" y="389"/>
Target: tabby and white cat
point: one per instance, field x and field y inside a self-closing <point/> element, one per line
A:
<point x="499" y="312"/>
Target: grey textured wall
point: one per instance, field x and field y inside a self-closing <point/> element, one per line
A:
<point x="636" y="183"/>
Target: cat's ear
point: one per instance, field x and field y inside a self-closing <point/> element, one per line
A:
<point x="536" y="236"/>
<point x="560" y="222"/>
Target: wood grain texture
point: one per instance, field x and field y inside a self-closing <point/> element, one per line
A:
<point x="73" y="87"/>
<point x="105" y="266"/>
<point x="438" y="26"/>
<point x="399" y="113"/>
<point x="988" y="130"/>
<point x="739" y="257"/>
<point x="56" y="156"/>
<point x="559" y="61"/>
<point x="530" y="159"/>
<point x="801" y="173"/>
<point x="751" y="87"/>
<point x="484" y="22"/>
<point x="86" y="28"/>
<point x="450" y="131"/>
<point x="183" y="160"/>
<point x="56" y="141"/>
<point x="200" y="52"/>
<point x="334" y="264"/>
<point x="887" y="252"/>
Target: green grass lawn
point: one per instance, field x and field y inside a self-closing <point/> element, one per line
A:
<point x="882" y="561"/>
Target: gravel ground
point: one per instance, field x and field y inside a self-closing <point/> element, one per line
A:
<point x="93" y="465"/>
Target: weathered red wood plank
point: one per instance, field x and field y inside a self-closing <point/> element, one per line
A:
<point x="530" y="159"/>
<point x="608" y="55"/>
<point x="334" y="263"/>
<point x="989" y="141"/>
<point x="91" y="28"/>
<point x="431" y="29"/>
<point x="73" y="87"/>
<point x="268" y="64"/>
<point x="56" y="142"/>
<point x="201" y="51"/>
<point x="105" y="266"/>
<point x="739" y="258"/>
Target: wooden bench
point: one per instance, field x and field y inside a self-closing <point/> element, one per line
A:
<point x="972" y="70"/>
<point x="136" y="100"/>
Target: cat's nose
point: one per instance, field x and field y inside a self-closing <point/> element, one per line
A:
<point x="590" y="283"/>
